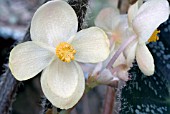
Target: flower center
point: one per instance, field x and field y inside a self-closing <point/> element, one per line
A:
<point x="154" y="36"/>
<point x="65" y="52"/>
<point x="116" y="38"/>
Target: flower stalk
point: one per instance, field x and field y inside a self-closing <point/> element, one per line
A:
<point x="120" y="50"/>
<point x="110" y="93"/>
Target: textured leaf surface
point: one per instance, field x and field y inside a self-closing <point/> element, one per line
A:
<point x="150" y="95"/>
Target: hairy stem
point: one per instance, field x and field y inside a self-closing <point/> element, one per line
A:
<point x="8" y="87"/>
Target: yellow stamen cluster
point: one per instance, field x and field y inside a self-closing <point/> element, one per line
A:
<point x="65" y="52"/>
<point x="154" y="36"/>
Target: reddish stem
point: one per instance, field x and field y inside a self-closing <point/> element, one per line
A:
<point x="109" y="101"/>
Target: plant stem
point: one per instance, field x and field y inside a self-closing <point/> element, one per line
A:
<point x="109" y="101"/>
<point x="110" y="94"/>
<point x="120" y="50"/>
<point x="8" y="87"/>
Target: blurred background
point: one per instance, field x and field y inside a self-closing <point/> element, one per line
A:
<point x="141" y="95"/>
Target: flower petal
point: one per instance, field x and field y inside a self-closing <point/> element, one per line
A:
<point x="123" y="75"/>
<point x="108" y="19"/>
<point x="28" y="59"/>
<point x="91" y="45"/>
<point x="63" y="84"/>
<point x="120" y="33"/>
<point x="145" y="60"/>
<point x="130" y="52"/>
<point x="105" y="77"/>
<point x="53" y="22"/>
<point x="132" y="12"/>
<point x="150" y="15"/>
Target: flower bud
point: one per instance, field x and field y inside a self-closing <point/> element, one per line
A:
<point x="106" y="77"/>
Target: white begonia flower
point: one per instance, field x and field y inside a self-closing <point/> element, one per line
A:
<point x="55" y="47"/>
<point x="115" y="26"/>
<point x="143" y="23"/>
